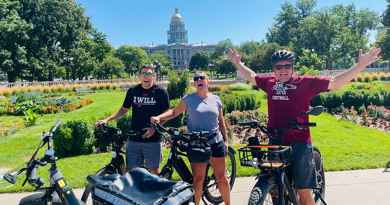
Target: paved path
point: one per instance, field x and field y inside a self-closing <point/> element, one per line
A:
<point x="361" y="187"/>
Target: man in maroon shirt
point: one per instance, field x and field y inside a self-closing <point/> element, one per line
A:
<point x="288" y="96"/>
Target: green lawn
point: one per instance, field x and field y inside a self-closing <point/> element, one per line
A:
<point x="343" y="144"/>
<point x="17" y="147"/>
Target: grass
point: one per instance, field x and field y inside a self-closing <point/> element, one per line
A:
<point x="17" y="147"/>
<point x="344" y="145"/>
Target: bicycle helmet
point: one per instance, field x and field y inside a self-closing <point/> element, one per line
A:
<point x="281" y="55"/>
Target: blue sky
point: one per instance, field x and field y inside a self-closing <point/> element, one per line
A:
<point x="144" y="22"/>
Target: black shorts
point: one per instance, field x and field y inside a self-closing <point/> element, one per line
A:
<point x="303" y="166"/>
<point x="217" y="150"/>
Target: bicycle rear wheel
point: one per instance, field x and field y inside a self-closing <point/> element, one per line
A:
<point x="211" y="192"/>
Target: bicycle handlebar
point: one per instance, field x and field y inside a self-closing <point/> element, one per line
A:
<point x="33" y="164"/>
<point x="202" y="135"/>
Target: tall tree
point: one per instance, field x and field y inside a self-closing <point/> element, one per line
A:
<point x="386" y="15"/>
<point x="221" y="48"/>
<point x="200" y="60"/>
<point x="133" y="57"/>
<point x="305" y="7"/>
<point x="383" y="39"/>
<point x="13" y="37"/>
<point x="110" y="67"/>
<point x="260" y="60"/>
<point x="41" y="39"/>
<point x="334" y="33"/>
<point x="284" y="31"/>
<point x="162" y="58"/>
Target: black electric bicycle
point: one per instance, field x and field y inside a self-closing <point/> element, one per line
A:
<point x="274" y="183"/>
<point x="179" y="143"/>
<point x="58" y="193"/>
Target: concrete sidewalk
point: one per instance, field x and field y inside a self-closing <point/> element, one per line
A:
<point x="360" y="187"/>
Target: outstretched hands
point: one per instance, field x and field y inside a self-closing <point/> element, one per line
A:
<point x="366" y="59"/>
<point x="234" y="56"/>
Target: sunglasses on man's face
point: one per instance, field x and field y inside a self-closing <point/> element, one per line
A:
<point x="147" y="74"/>
<point x="196" y="78"/>
<point x="283" y="66"/>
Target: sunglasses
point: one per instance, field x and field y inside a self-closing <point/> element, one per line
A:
<point x="147" y="74"/>
<point x="196" y="78"/>
<point x="285" y="66"/>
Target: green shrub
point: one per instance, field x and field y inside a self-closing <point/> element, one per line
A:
<point x="239" y="87"/>
<point x="215" y="88"/>
<point x="239" y="102"/>
<point x="386" y="100"/>
<point x="351" y="98"/>
<point x="72" y="139"/>
<point x="375" y="98"/>
<point x="366" y="79"/>
<point x="332" y="100"/>
<point x="30" y="117"/>
<point x="178" y="84"/>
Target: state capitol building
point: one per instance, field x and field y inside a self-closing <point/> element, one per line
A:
<point x="178" y="48"/>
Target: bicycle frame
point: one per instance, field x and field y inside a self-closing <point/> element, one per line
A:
<point x="175" y="161"/>
<point x="57" y="181"/>
<point x="280" y="178"/>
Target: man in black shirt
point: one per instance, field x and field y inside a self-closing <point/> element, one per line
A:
<point x="146" y="99"/>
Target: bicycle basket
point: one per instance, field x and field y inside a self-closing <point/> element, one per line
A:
<point x="264" y="156"/>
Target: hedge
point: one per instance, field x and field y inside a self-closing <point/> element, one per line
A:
<point x="72" y="139"/>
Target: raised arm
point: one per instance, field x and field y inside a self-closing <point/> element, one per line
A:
<point x="235" y="58"/>
<point x="364" y="60"/>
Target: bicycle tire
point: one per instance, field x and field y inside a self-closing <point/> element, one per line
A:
<point x="40" y="199"/>
<point x="261" y="193"/>
<point x="319" y="193"/>
<point x="210" y="181"/>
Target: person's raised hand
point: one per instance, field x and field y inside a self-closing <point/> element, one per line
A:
<point x="234" y="56"/>
<point x="366" y="59"/>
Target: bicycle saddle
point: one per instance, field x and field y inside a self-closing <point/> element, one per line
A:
<point x="146" y="181"/>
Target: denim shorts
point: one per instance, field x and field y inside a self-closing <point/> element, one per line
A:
<point x="217" y="150"/>
<point x="143" y="154"/>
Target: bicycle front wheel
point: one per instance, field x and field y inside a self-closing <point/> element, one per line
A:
<point x="211" y="192"/>
<point x="261" y="194"/>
